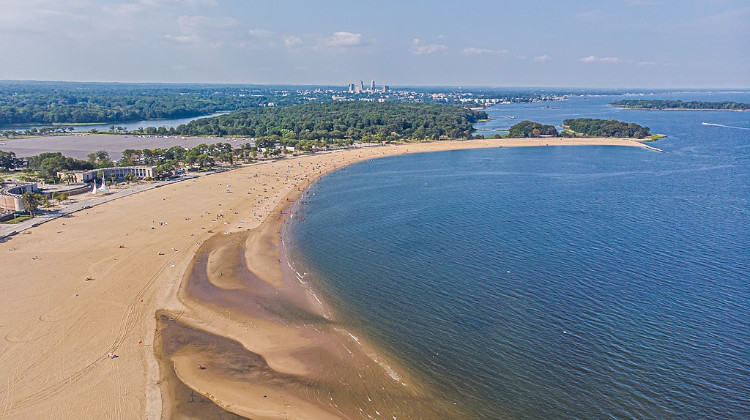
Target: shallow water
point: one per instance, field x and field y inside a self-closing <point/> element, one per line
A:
<point x="256" y="333"/>
<point x="557" y="282"/>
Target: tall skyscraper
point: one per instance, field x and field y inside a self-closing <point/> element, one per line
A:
<point x="361" y="86"/>
<point x="372" y="86"/>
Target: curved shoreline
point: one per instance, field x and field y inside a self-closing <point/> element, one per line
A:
<point x="681" y="109"/>
<point x="310" y="355"/>
<point x="58" y="333"/>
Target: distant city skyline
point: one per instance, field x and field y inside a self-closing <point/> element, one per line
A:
<point x="586" y="43"/>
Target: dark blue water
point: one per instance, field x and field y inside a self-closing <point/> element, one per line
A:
<point x="558" y="282"/>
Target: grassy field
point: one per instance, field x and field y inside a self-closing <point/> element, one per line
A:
<point x="18" y="219"/>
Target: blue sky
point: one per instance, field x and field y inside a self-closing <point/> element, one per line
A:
<point x="605" y="43"/>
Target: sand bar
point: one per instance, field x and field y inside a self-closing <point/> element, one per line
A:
<point x="140" y="255"/>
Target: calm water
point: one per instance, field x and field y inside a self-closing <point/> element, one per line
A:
<point x="578" y="282"/>
<point x="128" y="125"/>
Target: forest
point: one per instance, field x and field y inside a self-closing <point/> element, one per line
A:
<point x="351" y="121"/>
<point x="685" y="105"/>
<point x="532" y="129"/>
<point x="71" y="103"/>
<point x="605" y="128"/>
<point x="40" y="103"/>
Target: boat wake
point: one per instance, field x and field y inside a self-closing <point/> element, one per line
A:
<point x="726" y="126"/>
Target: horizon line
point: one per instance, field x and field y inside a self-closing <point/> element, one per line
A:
<point x="460" y="86"/>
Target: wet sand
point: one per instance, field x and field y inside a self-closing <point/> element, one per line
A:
<point x="172" y="271"/>
<point x="267" y="349"/>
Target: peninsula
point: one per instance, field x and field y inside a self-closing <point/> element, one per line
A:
<point x="681" y="105"/>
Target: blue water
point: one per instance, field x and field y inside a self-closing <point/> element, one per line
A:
<point x="558" y="282"/>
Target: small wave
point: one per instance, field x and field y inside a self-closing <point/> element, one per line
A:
<point x="315" y="296"/>
<point x="388" y="369"/>
<point x="726" y="126"/>
<point x="392" y="373"/>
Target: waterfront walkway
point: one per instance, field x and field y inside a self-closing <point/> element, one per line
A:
<point x="87" y="201"/>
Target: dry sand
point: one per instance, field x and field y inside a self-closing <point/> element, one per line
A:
<point x="171" y="271"/>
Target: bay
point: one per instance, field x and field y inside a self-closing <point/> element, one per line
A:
<point x="553" y="282"/>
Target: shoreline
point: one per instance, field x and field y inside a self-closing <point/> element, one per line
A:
<point x="59" y="368"/>
<point x="680" y="109"/>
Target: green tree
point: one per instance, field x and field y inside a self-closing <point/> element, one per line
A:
<point x="8" y="161"/>
<point x="60" y="196"/>
<point x="100" y="159"/>
<point x="606" y="128"/>
<point x="531" y="129"/>
<point x="32" y="201"/>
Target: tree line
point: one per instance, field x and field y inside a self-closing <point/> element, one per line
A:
<point x="532" y="129"/>
<point x="580" y="127"/>
<point x="330" y="121"/>
<point x="676" y="104"/>
<point x="68" y="103"/>
<point x="74" y="102"/>
<point x="605" y="128"/>
<point x="48" y="165"/>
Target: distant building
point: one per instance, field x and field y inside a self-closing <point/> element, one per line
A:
<point x="118" y="172"/>
<point x="360" y="88"/>
<point x="77" y="177"/>
<point x="11" y="195"/>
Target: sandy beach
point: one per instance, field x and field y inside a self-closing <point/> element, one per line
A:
<point x="188" y="287"/>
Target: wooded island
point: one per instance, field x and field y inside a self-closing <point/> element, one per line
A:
<point x="681" y="105"/>
<point x="581" y="127"/>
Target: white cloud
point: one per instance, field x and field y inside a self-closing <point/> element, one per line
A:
<point x="167" y="3"/>
<point x="204" y="30"/>
<point x="589" y="16"/>
<point x="420" y="48"/>
<point x="156" y="6"/>
<point x="542" y="58"/>
<point x="647" y="63"/>
<point x="258" y="39"/>
<point x="196" y="23"/>
<point x="292" y="41"/>
<point x="595" y="59"/>
<point x="260" y="33"/>
<point x="474" y="50"/>
<point x="184" y="39"/>
<point x="481" y="51"/>
<point x="340" y="41"/>
<point x="343" y="40"/>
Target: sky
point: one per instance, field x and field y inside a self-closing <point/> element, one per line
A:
<point x="555" y="43"/>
